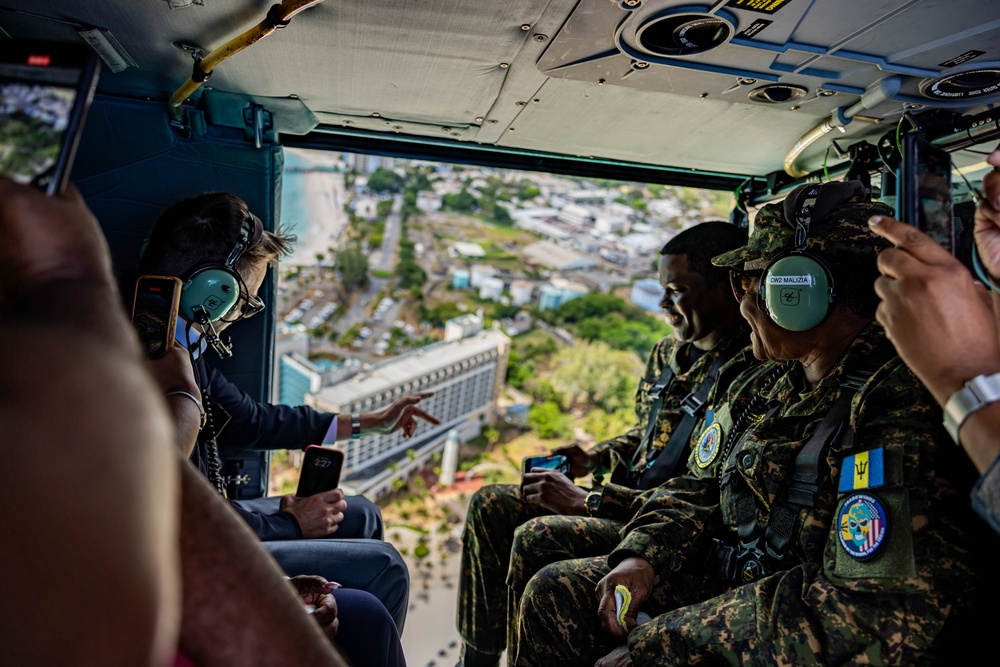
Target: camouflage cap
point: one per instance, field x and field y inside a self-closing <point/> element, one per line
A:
<point x="841" y="230"/>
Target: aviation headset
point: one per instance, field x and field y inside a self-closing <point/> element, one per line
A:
<point x="797" y="288"/>
<point x="213" y="290"/>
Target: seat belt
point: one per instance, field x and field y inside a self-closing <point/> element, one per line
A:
<point x="662" y="467"/>
<point x="656" y="393"/>
<point x="756" y="554"/>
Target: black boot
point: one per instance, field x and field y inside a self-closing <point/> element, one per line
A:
<point x="473" y="658"/>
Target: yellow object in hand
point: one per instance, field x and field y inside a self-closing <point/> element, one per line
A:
<point x="623" y="598"/>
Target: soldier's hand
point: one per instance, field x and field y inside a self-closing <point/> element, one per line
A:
<point x="635" y="574"/>
<point x="554" y="491"/>
<point x="987" y="217"/>
<point x="617" y="658"/>
<point x="581" y="462"/>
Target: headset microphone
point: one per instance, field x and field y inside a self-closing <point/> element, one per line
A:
<point x="224" y="348"/>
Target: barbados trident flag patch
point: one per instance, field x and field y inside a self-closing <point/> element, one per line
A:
<point x="864" y="470"/>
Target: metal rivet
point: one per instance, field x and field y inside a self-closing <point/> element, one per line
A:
<point x="348" y="122"/>
<point x="456" y="134"/>
<point x="703" y="95"/>
<point x="535" y="101"/>
<point x="388" y="122"/>
<point x="494" y="122"/>
<point x="795" y="108"/>
<point x="521" y="104"/>
<point x="397" y="127"/>
<point x="600" y="82"/>
<point x="641" y="65"/>
<point x="293" y="97"/>
<point x="541" y="38"/>
<point x="826" y="93"/>
<point x="446" y="129"/>
<point x="479" y="119"/>
<point x="510" y="129"/>
<point x="376" y="115"/>
<point x="525" y="27"/>
<point x="747" y="81"/>
<point x="504" y="65"/>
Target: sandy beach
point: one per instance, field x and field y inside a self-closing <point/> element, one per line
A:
<point x="312" y="205"/>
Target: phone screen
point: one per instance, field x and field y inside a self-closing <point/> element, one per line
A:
<point x="320" y="471"/>
<point x="552" y="462"/>
<point x="154" y="312"/>
<point x="925" y="191"/>
<point x="45" y="90"/>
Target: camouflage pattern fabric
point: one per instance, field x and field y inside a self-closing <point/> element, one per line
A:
<point x="844" y="234"/>
<point x="496" y="511"/>
<point x="619" y="501"/>
<point x="824" y="605"/>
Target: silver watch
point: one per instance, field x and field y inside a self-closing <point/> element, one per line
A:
<point x="977" y="393"/>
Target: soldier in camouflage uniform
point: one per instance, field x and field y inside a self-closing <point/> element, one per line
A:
<point x="797" y="539"/>
<point x="707" y="332"/>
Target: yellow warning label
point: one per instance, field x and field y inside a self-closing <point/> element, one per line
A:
<point x="762" y="6"/>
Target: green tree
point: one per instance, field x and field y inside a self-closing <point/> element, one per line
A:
<point x="592" y="373"/>
<point x="548" y="421"/>
<point x="352" y="263"/>
<point x="385" y="180"/>
<point x="383" y="208"/>
<point x="462" y="202"/>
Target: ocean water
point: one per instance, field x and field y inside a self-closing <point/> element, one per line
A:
<point x="294" y="208"/>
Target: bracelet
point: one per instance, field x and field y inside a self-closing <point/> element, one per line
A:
<point x="355" y="426"/>
<point x="178" y="392"/>
<point x="976" y="394"/>
<point x="977" y="266"/>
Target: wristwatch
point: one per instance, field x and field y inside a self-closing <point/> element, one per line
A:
<point x="593" y="502"/>
<point x="355" y="426"/>
<point x="977" y="393"/>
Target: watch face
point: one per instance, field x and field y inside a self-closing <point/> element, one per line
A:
<point x="593" y="501"/>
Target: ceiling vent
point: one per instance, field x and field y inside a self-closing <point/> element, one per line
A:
<point x="973" y="84"/>
<point x="777" y="94"/>
<point x="683" y="34"/>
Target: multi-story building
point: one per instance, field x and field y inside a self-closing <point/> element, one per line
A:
<point x="466" y="377"/>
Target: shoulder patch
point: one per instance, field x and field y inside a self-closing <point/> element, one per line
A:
<point x="864" y="525"/>
<point x="708" y="445"/>
<point x="864" y="470"/>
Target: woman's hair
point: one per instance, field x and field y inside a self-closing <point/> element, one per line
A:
<point x="204" y="230"/>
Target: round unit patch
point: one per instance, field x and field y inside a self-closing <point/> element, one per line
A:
<point x="708" y="445"/>
<point x="864" y="525"/>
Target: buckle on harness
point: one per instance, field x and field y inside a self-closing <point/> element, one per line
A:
<point x="657" y="390"/>
<point x="692" y="404"/>
<point x="751" y="563"/>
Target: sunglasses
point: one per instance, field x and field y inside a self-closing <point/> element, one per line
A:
<point x="248" y="307"/>
<point x="742" y="280"/>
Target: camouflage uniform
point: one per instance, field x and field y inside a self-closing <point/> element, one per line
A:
<point x="497" y="511"/>
<point x="828" y="601"/>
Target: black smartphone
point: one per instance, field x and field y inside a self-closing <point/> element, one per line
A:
<point x="320" y="470"/>
<point x="551" y="462"/>
<point x="45" y="91"/>
<point x="923" y="190"/>
<point x="154" y="312"/>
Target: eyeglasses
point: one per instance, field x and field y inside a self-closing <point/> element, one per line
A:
<point x="248" y="306"/>
<point x="742" y="280"/>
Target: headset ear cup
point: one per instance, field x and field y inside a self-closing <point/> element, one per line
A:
<point x="214" y="289"/>
<point x="798" y="291"/>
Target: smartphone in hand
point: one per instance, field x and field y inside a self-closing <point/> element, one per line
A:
<point x="45" y="91"/>
<point x="924" y="190"/>
<point x="551" y="462"/>
<point x="321" y="468"/>
<point x="154" y="312"/>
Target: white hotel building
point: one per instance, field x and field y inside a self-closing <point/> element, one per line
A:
<point x="466" y="376"/>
